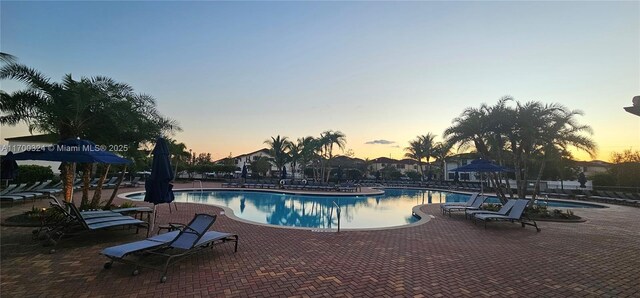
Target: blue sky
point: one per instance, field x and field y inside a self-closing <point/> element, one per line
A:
<point x="234" y="74"/>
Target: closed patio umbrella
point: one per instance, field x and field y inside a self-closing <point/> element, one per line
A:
<point x="9" y="169"/>
<point x="244" y="173"/>
<point x="158" y="189"/>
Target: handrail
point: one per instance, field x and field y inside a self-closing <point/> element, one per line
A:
<point x="337" y="214"/>
<point x="193" y="182"/>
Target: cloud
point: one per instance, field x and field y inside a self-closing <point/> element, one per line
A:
<point x="380" y="142"/>
<point x="396" y="146"/>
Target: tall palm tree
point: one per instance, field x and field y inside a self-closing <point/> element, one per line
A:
<point x="94" y="108"/>
<point x="561" y="132"/>
<point x="415" y="151"/>
<point x="295" y="155"/>
<point x="328" y="139"/>
<point x="442" y="151"/>
<point x="521" y="133"/>
<point x="278" y="149"/>
<point x="427" y="142"/>
<point x="308" y="147"/>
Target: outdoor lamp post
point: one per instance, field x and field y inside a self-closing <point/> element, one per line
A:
<point x="635" y="109"/>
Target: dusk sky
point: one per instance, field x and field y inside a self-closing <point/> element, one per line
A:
<point x="235" y="73"/>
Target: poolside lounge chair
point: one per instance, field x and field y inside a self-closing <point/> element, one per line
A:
<point x="515" y="214"/>
<point x="73" y="223"/>
<point x="467" y="203"/>
<point x="504" y="210"/>
<point x="173" y="245"/>
<point x="475" y="205"/>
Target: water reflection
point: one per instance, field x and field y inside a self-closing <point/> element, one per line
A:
<point x="391" y="209"/>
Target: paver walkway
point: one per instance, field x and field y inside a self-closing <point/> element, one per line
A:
<point x="446" y="257"/>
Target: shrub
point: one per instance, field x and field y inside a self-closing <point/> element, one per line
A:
<point x="413" y="175"/>
<point x="32" y="173"/>
<point x="603" y="179"/>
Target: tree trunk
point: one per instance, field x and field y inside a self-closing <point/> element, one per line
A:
<point x="115" y="190"/>
<point x="525" y="176"/>
<point x="86" y="178"/>
<point x="97" y="194"/>
<point x="536" y="189"/>
<point x="67" y="177"/>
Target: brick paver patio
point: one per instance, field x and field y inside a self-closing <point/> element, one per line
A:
<point x="446" y="257"/>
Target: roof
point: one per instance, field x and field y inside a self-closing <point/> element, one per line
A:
<point x="384" y="160"/>
<point x="43" y="138"/>
<point x="263" y="150"/>
<point x="593" y="163"/>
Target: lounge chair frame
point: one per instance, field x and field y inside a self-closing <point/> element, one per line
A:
<point x="515" y="214"/>
<point x="164" y="247"/>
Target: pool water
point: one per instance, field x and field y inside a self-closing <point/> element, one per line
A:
<point x="394" y="208"/>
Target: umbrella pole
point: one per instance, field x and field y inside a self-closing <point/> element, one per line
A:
<point x="153" y="222"/>
<point x="481" y="184"/>
<point x="73" y="180"/>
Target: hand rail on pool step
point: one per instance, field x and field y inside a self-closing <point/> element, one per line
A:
<point x="193" y="183"/>
<point x="338" y="214"/>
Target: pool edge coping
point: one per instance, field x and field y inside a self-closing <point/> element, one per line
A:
<point x="415" y="211"/>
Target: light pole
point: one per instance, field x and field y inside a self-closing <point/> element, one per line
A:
<point x="635" y="109"/>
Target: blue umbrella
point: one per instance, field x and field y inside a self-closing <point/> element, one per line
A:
<point x="158" y="188"/>
<point x="481" y="166"/>
<point x="74" y="151"/>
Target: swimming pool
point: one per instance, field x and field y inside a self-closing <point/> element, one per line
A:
<point x="393" y="208"/>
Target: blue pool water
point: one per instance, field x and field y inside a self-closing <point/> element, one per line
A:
<point x="391" y="209"/>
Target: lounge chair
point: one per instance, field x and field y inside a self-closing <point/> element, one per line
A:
<point x="474" y="205"/>
<point x="9" y="188"/>
<point x="173" y="245"/>
<point x="515" y="214"/>
<point x="504" y="210"/>
<point x="468" y="202"/>
<point x="72" y="222"/>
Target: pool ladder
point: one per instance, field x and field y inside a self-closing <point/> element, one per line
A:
<point x="338" y="211"/>
<point x="193" y="184"/>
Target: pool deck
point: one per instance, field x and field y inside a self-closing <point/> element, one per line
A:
<point x="446" y="257"/>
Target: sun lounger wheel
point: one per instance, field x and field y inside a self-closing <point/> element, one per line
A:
<point x="135" y="272"/>
<point x="163" y="279"/>
<point x="108" y="265"/>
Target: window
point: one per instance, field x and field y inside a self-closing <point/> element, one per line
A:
<point x="464" y="176"/>
<point x="415" y="167"/>
<point x="400" y="166"/>
<point x="452" y="176"/>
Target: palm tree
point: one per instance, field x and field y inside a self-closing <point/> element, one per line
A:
<point x="328" y="139"/>
<point x="415" y="151"/>
<point x="7" y="58"/>
<point x="427" y="148"/>
<point x="278" y="150"/>
<point x="520" y="133"/>
<point x="94" y="108"/>
<point x="307" y="147"/>
<point x="295" y="155"/>
<point x="561" y="131"/>
<point x="442" y="151"/>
